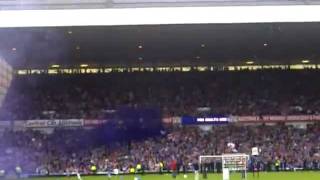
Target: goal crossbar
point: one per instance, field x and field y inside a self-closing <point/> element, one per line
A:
<point x="223" y="155"/>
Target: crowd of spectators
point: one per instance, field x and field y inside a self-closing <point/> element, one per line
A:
<point x="175" y="93"/>
<point x="76" y="150"/>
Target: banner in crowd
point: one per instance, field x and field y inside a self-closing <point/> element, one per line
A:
<point x="290" y="118"/>
<point x="54" y="123"/>
<point x="171" y="120"/>
<point x="94" y="122"/>
<point x="19" y="125"/>
<point x="5" y="124"/>
<point x="185" y="120"/>
<point x="5" y="79"/>
<point x="209" y="120"/>
<point x="241" y="119"/>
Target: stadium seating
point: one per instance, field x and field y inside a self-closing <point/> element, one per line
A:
<point x="231" y="93"/>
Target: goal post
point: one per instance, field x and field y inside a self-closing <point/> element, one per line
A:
<point x="224" y="163"/>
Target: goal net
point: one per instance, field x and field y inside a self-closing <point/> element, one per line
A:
<point x="225" y="163"/>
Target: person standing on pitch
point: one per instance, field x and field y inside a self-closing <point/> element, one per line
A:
<point x="79" y="176"/>
<point x="161" y="165"/>
<point x="173" y="167"/>
<point x="256" y="169"/>
<point x="196" y="175"/>
<point x="196" y="171"/>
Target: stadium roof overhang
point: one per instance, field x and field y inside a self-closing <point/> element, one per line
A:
<point x="161" y="35"/>
<point x="156" y="45"/>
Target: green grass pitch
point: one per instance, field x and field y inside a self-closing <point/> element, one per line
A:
<point x="263" y="176"/>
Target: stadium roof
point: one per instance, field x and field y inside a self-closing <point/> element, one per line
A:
<point x="156" y="45"/>
<point x="94" y="4"/>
